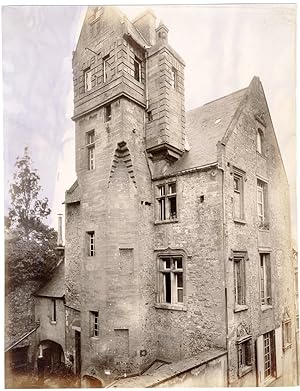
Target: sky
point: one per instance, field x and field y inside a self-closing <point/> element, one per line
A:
<point x="223" y="48"/>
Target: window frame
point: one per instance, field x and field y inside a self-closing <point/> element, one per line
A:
<point x="269" y="355"/>
<point x="94" y="324"/>
<point x="239" y="176"/>
<point x="163" y="202"/>
<point x="105" y="66"/>
<point x="263" y="217"/>
<point x="87" y="83"/>
<point x="174" y="270"/>
<point x="265" y="280"/>
<point x="240" y="258"/>
<point x="137" y="72"/>
<point x="243" y="344"/>
<point x="90" y="145"/>
<point x="91" y="251"/>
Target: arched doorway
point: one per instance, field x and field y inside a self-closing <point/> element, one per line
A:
<point x="50" y="357"/>
<point x="91" y="382"/>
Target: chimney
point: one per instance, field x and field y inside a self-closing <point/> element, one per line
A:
<point x="59" y="233"/>
<point x="146" y="23"/>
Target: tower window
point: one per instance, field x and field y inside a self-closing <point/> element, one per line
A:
<point x="137" y="69"/>
<point x="105" y="68"/>
<point x="107" y="113"/>
<point x="91" y="243"/>
<point x="90" y="139"/>
<point x="174" y="78"/>
<point x="87" y="80"/>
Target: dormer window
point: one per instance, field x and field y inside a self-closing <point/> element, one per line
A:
<point x="259" y="141"/>
<point x="137" y="69"/>
<point x="87" y="80"/>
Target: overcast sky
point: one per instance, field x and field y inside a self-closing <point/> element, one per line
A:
<point x="223" y="47"/>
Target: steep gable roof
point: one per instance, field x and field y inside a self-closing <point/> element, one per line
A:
<point x="205" y="127"/>
<point x="56" y="286"/>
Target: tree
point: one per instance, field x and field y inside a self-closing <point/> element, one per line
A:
<point x="30" y="243"/>
<point x="27" y="211"/>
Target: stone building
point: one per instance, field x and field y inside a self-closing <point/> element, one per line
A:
<point x="178" y="256"/>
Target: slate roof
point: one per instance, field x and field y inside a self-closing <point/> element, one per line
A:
<point x="205" y="127"/>
<point x="56" y="286"/>
<point x="168" y="371"/>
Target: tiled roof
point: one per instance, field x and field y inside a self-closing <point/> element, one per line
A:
<point x="168" y="371"/>
<point x="56" y="286"/>
<point x="205" y="127"/>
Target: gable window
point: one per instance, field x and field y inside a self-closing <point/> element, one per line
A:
<point x="244" y="346"/>
<point x="262" y="207"/>
<point x="167" y="201"/>
<point x="94" y="323"/>
<point x="265" y="279"/>
<point x="287" y="333"/>
<point x="171" y="281"/>
<point x="107" y="113"/>
<point x="90" y="139"/>
<point x="239" y="277"/>
<point x="91" y="243"/>
<point x="53" y="310"/>
<point x="259" y="141"/>
<point x="105" y="68"/>
<point x="238" y="196"/>
<point x="174" y="78"/>
<point x="87" y="80"/>
<point x="137" y="69"/>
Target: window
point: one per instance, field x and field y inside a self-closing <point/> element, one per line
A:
<point x="91" y="244"/>
<point x="166" y="199"/>
<point x="265" y="279"/>
<point x="244" y="355"/>
<point x="87" y="80"/>
<point x="91" y="149"/>
<point x="105" y="68"/>
<point x="239" y="281"/>
<point x="149" y="116"/>
<point x="171" y="286"/>
<point x="269" y="355"/>
<point x="107" y="113"/>
<point x="173" y="78"/>
<point x="137" y="69"/>
<point x="259" y="141"/>
<point x="94" y="320"/>
<point x="287" y="333"/>
<point x="53" y="310"/>
<point x="238" y="197"/>
<point x="262" y="203"/>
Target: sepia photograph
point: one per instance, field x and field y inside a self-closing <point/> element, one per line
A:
<point x="150" y="230"/>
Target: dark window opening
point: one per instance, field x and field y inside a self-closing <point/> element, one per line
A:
<point x="149" y="116"/>
<point x="107" y="113"/>
<point x="53" y="314"/>
<point x="168" y="287"/>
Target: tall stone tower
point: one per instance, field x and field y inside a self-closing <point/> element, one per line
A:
<point x="129" y="119"/>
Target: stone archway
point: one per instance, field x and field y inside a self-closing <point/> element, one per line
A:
<point x="89" y="381"/>
<point x="50" y="357"/>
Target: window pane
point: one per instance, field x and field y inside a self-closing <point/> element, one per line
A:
<point x="162" y="211"/>
<point x="179" y="280"/>
<point x="167" y="292"/>
<point x="172" y="188"/>
<point x="167" y="263"/>
<point x="180" y="295"/>
<point x="172" y="207"/>
<point x="178" y="263"/>
<point x="237" y="205"/>
<point x="162" y="190"/>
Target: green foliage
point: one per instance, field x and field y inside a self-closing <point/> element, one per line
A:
<point x="30" y="244"/>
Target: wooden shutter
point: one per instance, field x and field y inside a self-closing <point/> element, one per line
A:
<point x="278" y="347"/>
<point x="260" y="361"/>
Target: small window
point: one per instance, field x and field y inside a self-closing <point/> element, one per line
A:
<point x="90" y="140"/>
<point x="91" y="243"/>
<point x="167" y="201"/>
<point x="174" y="78"/>
<point x="107" y="113"/>
<point x="94" y="320"/>
<point x="53" y="310"/>
<point x="244" y="356"/>
<point x="171" y="285"/>
<point x="137" y="69"/>
<point x="238" y="197"/>
<point x="262" y="204"/>
<point x="149" y="116"/>
<point x="265" y="279"/>
<point x="87" y="80"/>
<point x="105" y="68"/>
<point x="259" y="141"/>
<point x="287" y="334"/>
<point x="239" y="276"/>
